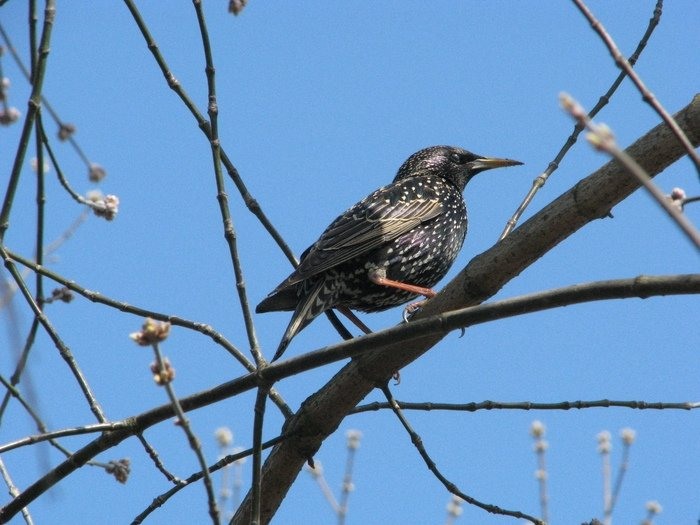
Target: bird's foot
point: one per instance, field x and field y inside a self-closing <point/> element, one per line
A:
<point x="411" y="310"/>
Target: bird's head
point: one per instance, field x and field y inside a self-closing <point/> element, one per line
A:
<point x="453" y="164"/>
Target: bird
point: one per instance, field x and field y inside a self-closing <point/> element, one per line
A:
<point x="389" y="248"/>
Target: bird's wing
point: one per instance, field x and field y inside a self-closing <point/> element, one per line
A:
<point x="376" y="220"/>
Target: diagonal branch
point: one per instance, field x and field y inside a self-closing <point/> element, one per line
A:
<point x="542" y="178"/>
<point x="372" y="345"/>
<point x="590" y="199"/>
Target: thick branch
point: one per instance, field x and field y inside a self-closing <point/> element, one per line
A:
<point x="322" y="413"/>
<point x="591" y="198"/>
<point x="437" y="325"/>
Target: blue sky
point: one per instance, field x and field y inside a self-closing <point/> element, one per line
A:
<point x="319" y="105"/>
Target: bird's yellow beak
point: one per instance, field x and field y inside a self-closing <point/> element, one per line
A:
<point x="487" y="163"/>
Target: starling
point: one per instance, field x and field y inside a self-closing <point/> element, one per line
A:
<point x="390" y="247"/>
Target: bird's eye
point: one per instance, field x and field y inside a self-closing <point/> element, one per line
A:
<point x="456" y="158"/>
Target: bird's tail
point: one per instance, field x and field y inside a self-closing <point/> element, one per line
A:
<point x="311" y="305"/>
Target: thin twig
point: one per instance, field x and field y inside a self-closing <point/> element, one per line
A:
<point x="316" y="472"/>
<point x="604" y="447"/>
<point x="65" y="352"/>
<point x="153" y="454"/>
<point x="647" y="96"/>
<point x="537" y="430"/>
<point x="353" y="443"/>
<point x="250" y="202"/>
<point x="688" y="200"/>
<point x="377" y="342"/>
<point x="227" y="219"/>
<point x="602" y="138"/>
<point x="192" y="439"/>
<point x="160" y="500"/>
<point x="122" y="306"/>
<point x="34" y="103"/>
<point x="45" y="434"/>
<point x="259" y="418"/>
<point x="59" y="172"/>
<point x="44" y="101"/>
<point x="527" y="405"/>
<point x="542" y="178"/>
<point x="48" y="436"/>
<point x="14" y="491"/>
<point x="451" y="487"/>
<point x="628" y="436"/>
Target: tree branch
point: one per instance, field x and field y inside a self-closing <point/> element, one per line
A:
<point x="591" y="198"/>
<point x="374" y="344"/>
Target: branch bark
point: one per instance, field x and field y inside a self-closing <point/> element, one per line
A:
<point x="591" y="198"/>
<point x="321" y="414"/>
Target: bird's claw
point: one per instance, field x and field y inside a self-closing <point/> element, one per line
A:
<point x="411" y="310"/>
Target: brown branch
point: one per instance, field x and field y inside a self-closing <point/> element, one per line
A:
<point x="385" y="342"/>
<point x="590" y="199"/>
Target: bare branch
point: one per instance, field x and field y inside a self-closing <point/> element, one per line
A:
<point x="647" y="96"/>
<point x="451" y="487"/>
<point x="542" y="178"/>
<point x="591" y="198"/>
<point x="380" y="347"/>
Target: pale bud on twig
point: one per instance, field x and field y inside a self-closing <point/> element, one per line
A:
<point x="541" y="445"/>
<point x="569" y="104"/>
<point x="677" y="197"/>
<point x="151" y="332"/>
<point x="353" y="439"/>
<point x="653" y="507"/>
<point x="454" y="507"/>
<point x="236" y="6"/>
<point x="65" y="131"/>
<point x="537" y="429"/>
<point x="9" y="115"/>
<point x="163" y="376"/>
<point x="107" y="206"/>
<point x="96" y="173"/>
<point x="120" y="469"/>
<point x="604" y="442"/>
<point x="224" y="436"/>
<point x="628" y="435"/>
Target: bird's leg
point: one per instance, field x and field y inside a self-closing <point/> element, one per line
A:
<point x="379" y="277"/>
<point x="353" y="319"/>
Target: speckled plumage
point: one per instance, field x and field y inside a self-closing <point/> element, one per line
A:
<point x="409" y="231"/>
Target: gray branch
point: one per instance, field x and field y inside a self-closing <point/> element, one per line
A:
<point x="590" y="199"/>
